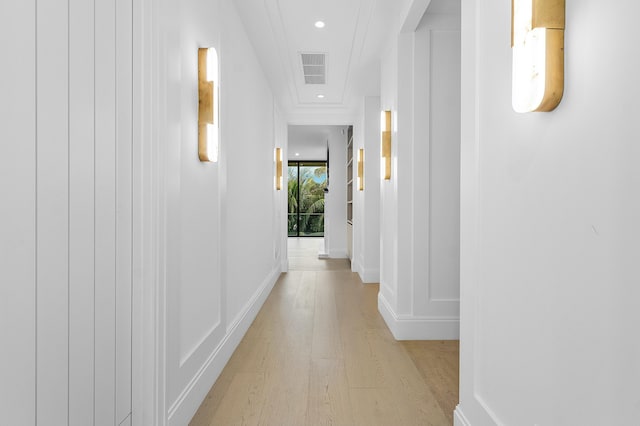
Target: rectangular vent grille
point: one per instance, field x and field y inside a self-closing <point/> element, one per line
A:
<point x="314" y="68"/>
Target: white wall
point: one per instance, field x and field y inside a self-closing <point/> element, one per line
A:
<point x="436" y="166"/>
<point x="221" y="225"/>
<point x="419" y="292"/>
<point x="335" y="221"/>
<point x="550" y="227"/>
<point x="366" y="203"/>
<point x="66" y="216"/>
<point x="280" y="133"/>
<point x="388" y="205"/>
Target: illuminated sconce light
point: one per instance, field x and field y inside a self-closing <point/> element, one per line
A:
<point x="207" y="104"/>
<point x="278" y="158"/>
<point x="360" y="169"/>
<point x="537" y="38"/>
<point x="385" y="130"/>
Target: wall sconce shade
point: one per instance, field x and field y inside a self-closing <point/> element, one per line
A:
<point x="278" y="169"/>
<point x="360" y="169"/>
<point x="537" y="38"/>
<point x="207" y="104"/>
<point x="385" y="130"/>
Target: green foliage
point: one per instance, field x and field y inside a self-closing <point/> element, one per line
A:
<point x="310" y="203"/>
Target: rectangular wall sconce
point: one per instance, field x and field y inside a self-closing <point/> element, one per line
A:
<point x="537" y="39"/>
<point x="278" y="158"/>
<point x="385" y="130"/>
<point x="207" y="105"/>
<point x="360" y="169"/>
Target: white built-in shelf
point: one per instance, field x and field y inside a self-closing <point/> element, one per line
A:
<point x="350" y="176"/>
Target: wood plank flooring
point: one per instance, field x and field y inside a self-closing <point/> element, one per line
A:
<point x="303" y="256"/>
<point x="318" y="353"/>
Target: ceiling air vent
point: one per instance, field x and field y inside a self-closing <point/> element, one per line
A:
<point x="314" y="68"/>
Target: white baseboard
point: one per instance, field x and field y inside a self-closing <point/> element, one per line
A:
<point x="369" y="276"/>
<point x="459" y="418"/>
<point x="183" y="410"/>
<point x="338" y="254"/>
<point x="356" y="266"/>
<point x="418" y="328"/>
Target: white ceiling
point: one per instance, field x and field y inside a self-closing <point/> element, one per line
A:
<point x="280" y="30"/>
<point x="444" y="7"/>
<point x="310" y="142"/>
<point x="354" y="38"/>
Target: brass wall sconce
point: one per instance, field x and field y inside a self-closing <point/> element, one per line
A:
<point x="278" y="159"/>
<point x="385" y="130"/>
<point x="361" y="169"/>
<point x="207" y="105"/>
<point x="537" y="39"/>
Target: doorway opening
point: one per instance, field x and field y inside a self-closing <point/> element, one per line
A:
<point x="307" y="183"/>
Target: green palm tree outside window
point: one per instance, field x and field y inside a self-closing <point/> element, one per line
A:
<point x="307" y="182"/>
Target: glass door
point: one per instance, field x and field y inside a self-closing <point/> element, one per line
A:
<point x="307" y="183"/>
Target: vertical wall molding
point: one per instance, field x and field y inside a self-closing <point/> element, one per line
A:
<point x="66" y="217"/>
<point x="419" y="277"/>
<point x="124" y="206"/>
<point x="471" y="405"/>
<point x="52" y="164"/>
<point x="18" y="212"/>
<point x="148" y="380"/>
<point x="81" y="212"/>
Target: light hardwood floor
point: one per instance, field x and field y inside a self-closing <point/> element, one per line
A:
<point x="303" y="256"/>
<point x="318" y="353"/>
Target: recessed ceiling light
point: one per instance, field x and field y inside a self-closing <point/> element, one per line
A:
<point x="320" y="96"/>
<point x="319" y="24"/>
<point x="297" y="154"/>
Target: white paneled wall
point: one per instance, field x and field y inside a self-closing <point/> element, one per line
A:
<point x="366" y="203"/>
<point x="66" y="215"/>
<point x="550" y="227"/>
<point x="436" y="168"/>
<point x="217" y="230"/>
<point x="18" y="213"/>
<point x="420" y="209"/>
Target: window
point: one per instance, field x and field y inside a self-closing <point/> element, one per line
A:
<point x="307" y="183"/>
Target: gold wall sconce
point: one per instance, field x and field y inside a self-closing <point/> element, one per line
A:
<point x="537" y="39"/>
<point x="208" y="105"/>
<point x="361" y="169"/>
<point x="385" y="130"/>
<point x="278" y="158"/>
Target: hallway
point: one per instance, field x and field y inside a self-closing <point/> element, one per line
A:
<point x="319" y="353"/>
<point x="144" y="219"/>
